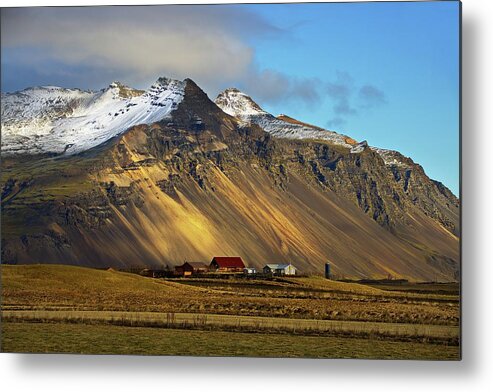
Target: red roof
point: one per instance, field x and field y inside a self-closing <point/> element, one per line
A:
<point x="229" y="262"/>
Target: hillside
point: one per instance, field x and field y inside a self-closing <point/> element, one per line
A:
<point x="59" y="308"/>
<point x="202" y="183"/>
<point x="59" y="289"/>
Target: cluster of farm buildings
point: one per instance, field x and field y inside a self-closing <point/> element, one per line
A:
<point x="231" y="265"/>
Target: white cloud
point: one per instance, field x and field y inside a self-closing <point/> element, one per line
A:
<point x="140" y="42"/>
<point x="87" y="46"/>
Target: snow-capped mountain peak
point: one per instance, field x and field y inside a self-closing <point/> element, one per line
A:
<point x="58" y="120"/>
<point x="51" y="119"/>
<point x="238" y="104"/>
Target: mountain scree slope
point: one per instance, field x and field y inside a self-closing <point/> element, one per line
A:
<point x="127" y="178"/>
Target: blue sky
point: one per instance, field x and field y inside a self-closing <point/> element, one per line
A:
<point x="385" y="72"/>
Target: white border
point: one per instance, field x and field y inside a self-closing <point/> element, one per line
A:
<point x="112" y="373"/>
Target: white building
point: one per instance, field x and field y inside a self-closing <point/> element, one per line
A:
<point x="280" y="269"/>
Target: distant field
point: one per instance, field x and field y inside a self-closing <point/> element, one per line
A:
<point x="422" y="288"/>
<point x="295" y="307"/>
<point x="104" y="339"/>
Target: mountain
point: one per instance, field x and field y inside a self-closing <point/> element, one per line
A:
<point x="430" y="195"/>
<point x="55" y="120"/>
<point x="237" y="104"/>
<point x="180" y="177"/>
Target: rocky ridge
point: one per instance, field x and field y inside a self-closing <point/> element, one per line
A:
<point x="201" y="182"/>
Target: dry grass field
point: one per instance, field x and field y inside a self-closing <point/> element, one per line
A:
<point x="108" y="339"/>
<point x="41" y="298"/>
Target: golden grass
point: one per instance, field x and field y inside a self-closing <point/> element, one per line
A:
<point x="53" y="287"/>
<point x="46" y="306"/>
<point x="413" y="332"/>
<point x="109" y="339"/>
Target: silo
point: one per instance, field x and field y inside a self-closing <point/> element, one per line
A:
<point x="327" y="270"/>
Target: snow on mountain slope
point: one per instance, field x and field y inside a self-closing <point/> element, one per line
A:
<point x="68" y="121"/>
<point x="360" y="147"/>
<point x="27" y="115"/>
<point x="56" y="120"/>
<point x="391" y="157"/>
<point x="237" y="104"/>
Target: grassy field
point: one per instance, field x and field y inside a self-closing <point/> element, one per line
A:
<point x="45" y="287"/>
<point x="403" y="332"/>
<point x="87" y="299"/>
<point x="422" y="288"/>
<point x="104" y="339"/>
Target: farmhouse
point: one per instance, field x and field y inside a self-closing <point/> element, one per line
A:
<point x="249" y="271"/>
<point x="199" y="267"/>
<point x="280" y="269"/>
<point x="227" y="264"/>
<point x="191" y="268"/>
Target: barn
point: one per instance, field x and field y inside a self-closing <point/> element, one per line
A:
<point x="198" y="267"/>
<point x="191" y="268"/>
<point x="227" y="264"/>
<point x="280" y="269"/>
